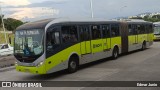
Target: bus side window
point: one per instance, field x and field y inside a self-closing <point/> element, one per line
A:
<point x="135" y="29"/>
<point x="150" y="29"/>
<point x="139" y="29"/>
<point x="115" y="30"/>
<point x="130" y="29"/>
<point x="96" y="33"/>
<point x="142" y="29"/>
<point x="106" y="31"/>
<point x="69" y="34"/>
<point x="84" y="33"/>
<point x="147" y="28"/>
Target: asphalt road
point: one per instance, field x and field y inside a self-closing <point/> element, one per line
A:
<point x="6" y="61"/>
<point x="136" y="66"/>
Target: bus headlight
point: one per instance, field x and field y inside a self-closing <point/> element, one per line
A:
<point x="39" y="64"/>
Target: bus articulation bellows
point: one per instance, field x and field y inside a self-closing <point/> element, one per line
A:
<point x="52" y="45"/>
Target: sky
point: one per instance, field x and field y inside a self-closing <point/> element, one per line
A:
<point x="30" y="10"/>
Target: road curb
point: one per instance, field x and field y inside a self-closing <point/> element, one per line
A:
<point x="7" y="68"/>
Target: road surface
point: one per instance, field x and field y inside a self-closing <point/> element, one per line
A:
<point x="136" y="66"/>
<point x="6" y="61"/>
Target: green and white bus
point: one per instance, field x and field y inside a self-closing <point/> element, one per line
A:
<point x="52" y="45"/>
<point x="156" y="31"/>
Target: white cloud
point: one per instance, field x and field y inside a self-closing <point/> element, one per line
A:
<point x="78" y="8"/>
<point x="15" y="2"/>
<point x="23" y="13"/>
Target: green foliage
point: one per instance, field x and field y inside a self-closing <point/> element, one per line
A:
<point x="2" y="38"/>
<point x="136" y="18"/>
<point x="154" y="18"/>
<point x="11" y="24"/>
<point x="1" y="20"/>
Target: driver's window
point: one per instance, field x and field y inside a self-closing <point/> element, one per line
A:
<point x="56" y="38"/>
<point x="53" y="39"/>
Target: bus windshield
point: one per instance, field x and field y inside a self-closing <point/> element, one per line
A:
<point x="156" y="30"/>
<point x="29" y="43"/>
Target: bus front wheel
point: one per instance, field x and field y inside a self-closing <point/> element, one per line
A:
<point x="72" y="65"/>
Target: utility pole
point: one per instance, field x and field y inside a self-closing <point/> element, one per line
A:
<point x="91" y="4"/>
<point x="121" y="8"/>
<point x="3" y="24"/>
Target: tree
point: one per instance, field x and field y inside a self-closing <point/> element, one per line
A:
<point x="1" y="20"/>
<point x="11" y="24"/>
<point x="156" y="16"/>
<point x="136" y="18"/>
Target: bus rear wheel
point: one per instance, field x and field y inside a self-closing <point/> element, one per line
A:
<point x="115" y="53"/>
<point x="143" y="46"/>
<point x="72" y="65"/>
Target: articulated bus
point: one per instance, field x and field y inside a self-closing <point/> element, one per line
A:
<point x="156" y="31"/>
<point x="52" y="45"/>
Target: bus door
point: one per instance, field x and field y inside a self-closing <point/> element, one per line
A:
<point x="106" y="37"/>
<point x="85" y="44"/>
<point x="136" y="34"/>
<point x="150" y="32"/>
<point x="124" y="36"/>
<point x="135" y="30"/>
<point x="96" y="42"/>
<point x="147" y="31"/>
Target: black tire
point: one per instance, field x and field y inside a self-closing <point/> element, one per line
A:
<point x="115" y="53"/>
<point x="143" y="46"/>
<point x="72" y="65"/>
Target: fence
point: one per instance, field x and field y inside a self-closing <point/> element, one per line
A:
<point x="6" y="32"/>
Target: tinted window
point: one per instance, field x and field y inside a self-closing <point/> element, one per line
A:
<point x="142" y="29"/>
<point x="138" y="29"/>
<point x="150" y="28"/>
<point x="5" y="46"/>
<point x="147" y="28"/>
<point x="135" y="29"/>
<point x="130" y="29"/>
<point x="53" y="39"/>
<point x="69" y="34"/>
<point x="106" y="31"/>
<point x="115" y="30"/>
<point x="84" y="33"/>
<point x="96" y="34"/>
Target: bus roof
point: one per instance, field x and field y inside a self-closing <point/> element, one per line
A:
<point x="157" y="23"/>
<point x="47" y="22"/>
<point x="34" y="25"/>
<point x="139" y="21"/>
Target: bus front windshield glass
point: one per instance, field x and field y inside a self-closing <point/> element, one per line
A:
<point x="29" y="42"/>
<point x="156" y="30"/>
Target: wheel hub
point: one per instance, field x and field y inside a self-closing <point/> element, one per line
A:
<point x="73" y="64"/>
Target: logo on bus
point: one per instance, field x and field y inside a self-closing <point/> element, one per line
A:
<point x="97" y="45"/>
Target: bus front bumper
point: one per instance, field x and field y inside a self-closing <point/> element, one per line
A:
<point x="34" y="70"/>
<point x="156" y="37"/>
